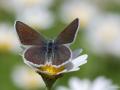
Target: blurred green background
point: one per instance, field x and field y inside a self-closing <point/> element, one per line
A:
<point x="50" y="17"/>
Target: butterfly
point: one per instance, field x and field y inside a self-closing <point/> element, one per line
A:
<point x="42" y="51"/>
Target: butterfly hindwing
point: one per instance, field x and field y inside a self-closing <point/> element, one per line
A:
<point x="27" y="35"/>
<point x="68" y="34"/>
<point x="36" y="55"/>
<point x="61" y="55"/>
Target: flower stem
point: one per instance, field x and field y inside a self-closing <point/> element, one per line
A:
<point x="49" y="88"/>
<point x="49" y="79"/>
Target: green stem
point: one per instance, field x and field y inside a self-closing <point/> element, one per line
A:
<point x="49" y="79"/>
<point x="49" y="88"/>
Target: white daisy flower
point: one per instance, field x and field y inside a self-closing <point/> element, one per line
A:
<point x="8" y="38"/>
<point x="72" y="65"/>
<point x="25" y="78"/>
<point x="50" y="73"/>
<point x="101" y="83"/>
<point x="104" y="31"/>
<point x="37" y="18"/>
<point x="77" y="8"/>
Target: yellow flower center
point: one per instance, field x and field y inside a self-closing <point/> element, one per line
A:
<point x="51" y="69"/>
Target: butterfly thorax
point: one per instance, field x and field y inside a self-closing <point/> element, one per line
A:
<point x="50" y="51"/>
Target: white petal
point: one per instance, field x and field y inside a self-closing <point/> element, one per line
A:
<point x="71" y="70"/>
<point x="74" y="69"/>
<point x="76" y="53"/>
<point x="80" y="60"/>
<point x="74" y="64"/>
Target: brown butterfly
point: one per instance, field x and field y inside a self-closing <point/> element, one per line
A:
<point x="44" y="51"/>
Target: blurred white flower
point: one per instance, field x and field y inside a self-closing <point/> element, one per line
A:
<point x="31" y="3"/>
<point x="77" y="8"/>
<point x="103" y="34"/>
<point x="25" y="78"/>
<point x="101" y="83"/>
<point x="38" y="18"/>
<point x="8" y="38"/>
<point x="20" y="5"/>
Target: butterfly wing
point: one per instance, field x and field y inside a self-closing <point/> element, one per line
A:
<point x="61" y="55"/>
<point x="68" y="34"/>
<point x="27" y="35"/>
<point x="36" y="55"/>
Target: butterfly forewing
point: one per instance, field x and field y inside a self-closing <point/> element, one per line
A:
<point x="28" y="36"/>
<point x="68" y="34"/>
<point x="36" y="55"/>
<point x="61" y="55"/>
